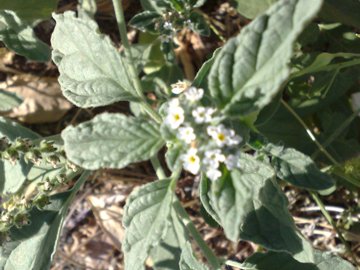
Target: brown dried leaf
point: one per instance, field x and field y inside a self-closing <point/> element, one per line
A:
<point x="43" y="100"/>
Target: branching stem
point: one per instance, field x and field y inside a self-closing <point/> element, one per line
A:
<point x="120" y="19"/>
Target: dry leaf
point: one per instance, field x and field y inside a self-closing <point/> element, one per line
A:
<point x="43" y="100"/>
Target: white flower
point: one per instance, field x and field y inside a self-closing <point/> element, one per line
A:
<point x="191" y="161"/>
<point x="168" y="26"/>
<point x="175" y="114"/>
<point x="232" y="161"/>
<point x="213" y="158"/>
<point x="186" y="134"/>
<point x="223" y="136"/>
<point x="213" y="174"/>
<point x="194" y="94"/>
<point x="202" y="114"/>
<point x="180" y="86"/>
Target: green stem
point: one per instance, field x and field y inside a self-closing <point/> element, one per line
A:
<point x="120" y="19"/>
<point x="234" y="264"/>
<point x="309" y="132"/>
<point x="337" y="132"/>
<point x="332" y="222"/>
<point x="208" y="253"/>
<point x="158" y="168"/>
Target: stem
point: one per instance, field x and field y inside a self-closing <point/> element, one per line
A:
<point x="337" y="132"/>
<point x="309" y="132"/>
<point x="208" y="253"/>
<point x="332" y="222"/>
<point x="157" y="167"/>
<point x="120" y="19"/>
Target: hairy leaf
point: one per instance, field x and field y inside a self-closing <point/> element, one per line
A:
<point x="146" y="21"/>
<point x="19" y="37"/>
<point x="8" y="100"/>
<point x="252" y="207"/>
<point x="188" y="260"/>
<point x="30" y="10"/>
<point x="166" y="255"/>
<point x="146" y="220"/>
<point x="12" y="176"/>
<point x="252" y="67"/>
<point x="328" y="261"/>
<point x="251" y="9"/>
<point x="111" y="141"/>
<point x="298" y="168"/>
<point x="275" y="260"/>
<point x="92" y="72"/>
<point x="33" y="247"/>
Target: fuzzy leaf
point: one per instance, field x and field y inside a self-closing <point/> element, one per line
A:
<point x="251" y="9"/>
<point x="298" y="169"/>
<point x="328" y="261"/>
<point x="188" y="260"/>
<point x="8" y="100"/>
<point x="92" y="72"/>
<point x="20" y="37"/>
<point x="38" y="241"/>
<point x="252" y="207"/>
<point x="111" y="141"/>
<point x="146" y="220"/>
<point x="275" y="260"/>
<point x="252" y="67"/>
<point x="30" y="10"/>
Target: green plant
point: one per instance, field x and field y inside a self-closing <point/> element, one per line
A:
<point x="232" y="126"/>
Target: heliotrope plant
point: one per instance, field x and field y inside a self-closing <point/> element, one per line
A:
<point x="213" y="127"/>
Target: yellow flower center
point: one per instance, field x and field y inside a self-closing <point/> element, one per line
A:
<point x="221" y="137"/>
<point x="177" y="117"/>
<point x="192" y="159"/>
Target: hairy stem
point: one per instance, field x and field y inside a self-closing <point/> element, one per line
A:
<point x="120" y="19"/>
<point x="234" y="264"/>
<point x="208" y="253"/>
<point x="157" y="167"/>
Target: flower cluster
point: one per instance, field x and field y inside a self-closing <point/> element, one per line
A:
<point x="209" y="143"/>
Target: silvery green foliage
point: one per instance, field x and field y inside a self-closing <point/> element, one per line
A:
<point x="188" y="260"/>
<point x="252" y="67"/>
<point x="92" y="71"/>
<point x="146" y="220"/>
<point x="111" y="141"/>
<point x="19" y="36"/>
<point x="8" y="100"/>
<point x="250" y="206"/>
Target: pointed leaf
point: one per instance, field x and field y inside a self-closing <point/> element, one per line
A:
<point x="146" y="220"/>
<point x="188" y="260"/>
<point x="252" y="67"/>
<point x="275" y="260"/>
<point x="111" y="141"/>
<point x="20" y="37"/>
<point x="298" y="169"/>
<point x="8" y="100"/>
<point x="252" y="207"/>
<point x="92" y="72"/>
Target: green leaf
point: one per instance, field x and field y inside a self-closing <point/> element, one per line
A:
<point x="188" y="260"/>
<point x="252" y="207"/>
<point x="328" y="261"/>
<point x="298" y="168"/>
<point x="12" y="176"/>
<point x="92" y="72"/>
<point x="146" y="221"/>
<point x="275" y="260"/>
<point x="19" y="37"/>
<point x="38" y="241"/>
<point x="87" y="8"/>
<point x="111" y="141"/>
<point x="8" y="100"/>
<point x="251" y="9"/>
<point x="199" y="24"/>
<point x="166" y="255"/>
<point x="345" y="11"/>
<point x="173" y="156"/>
<point x="200" y="78"/>
<point x="146" y="21"/>
<point x="30" y="10"/>
<point x="252" y="67"/>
